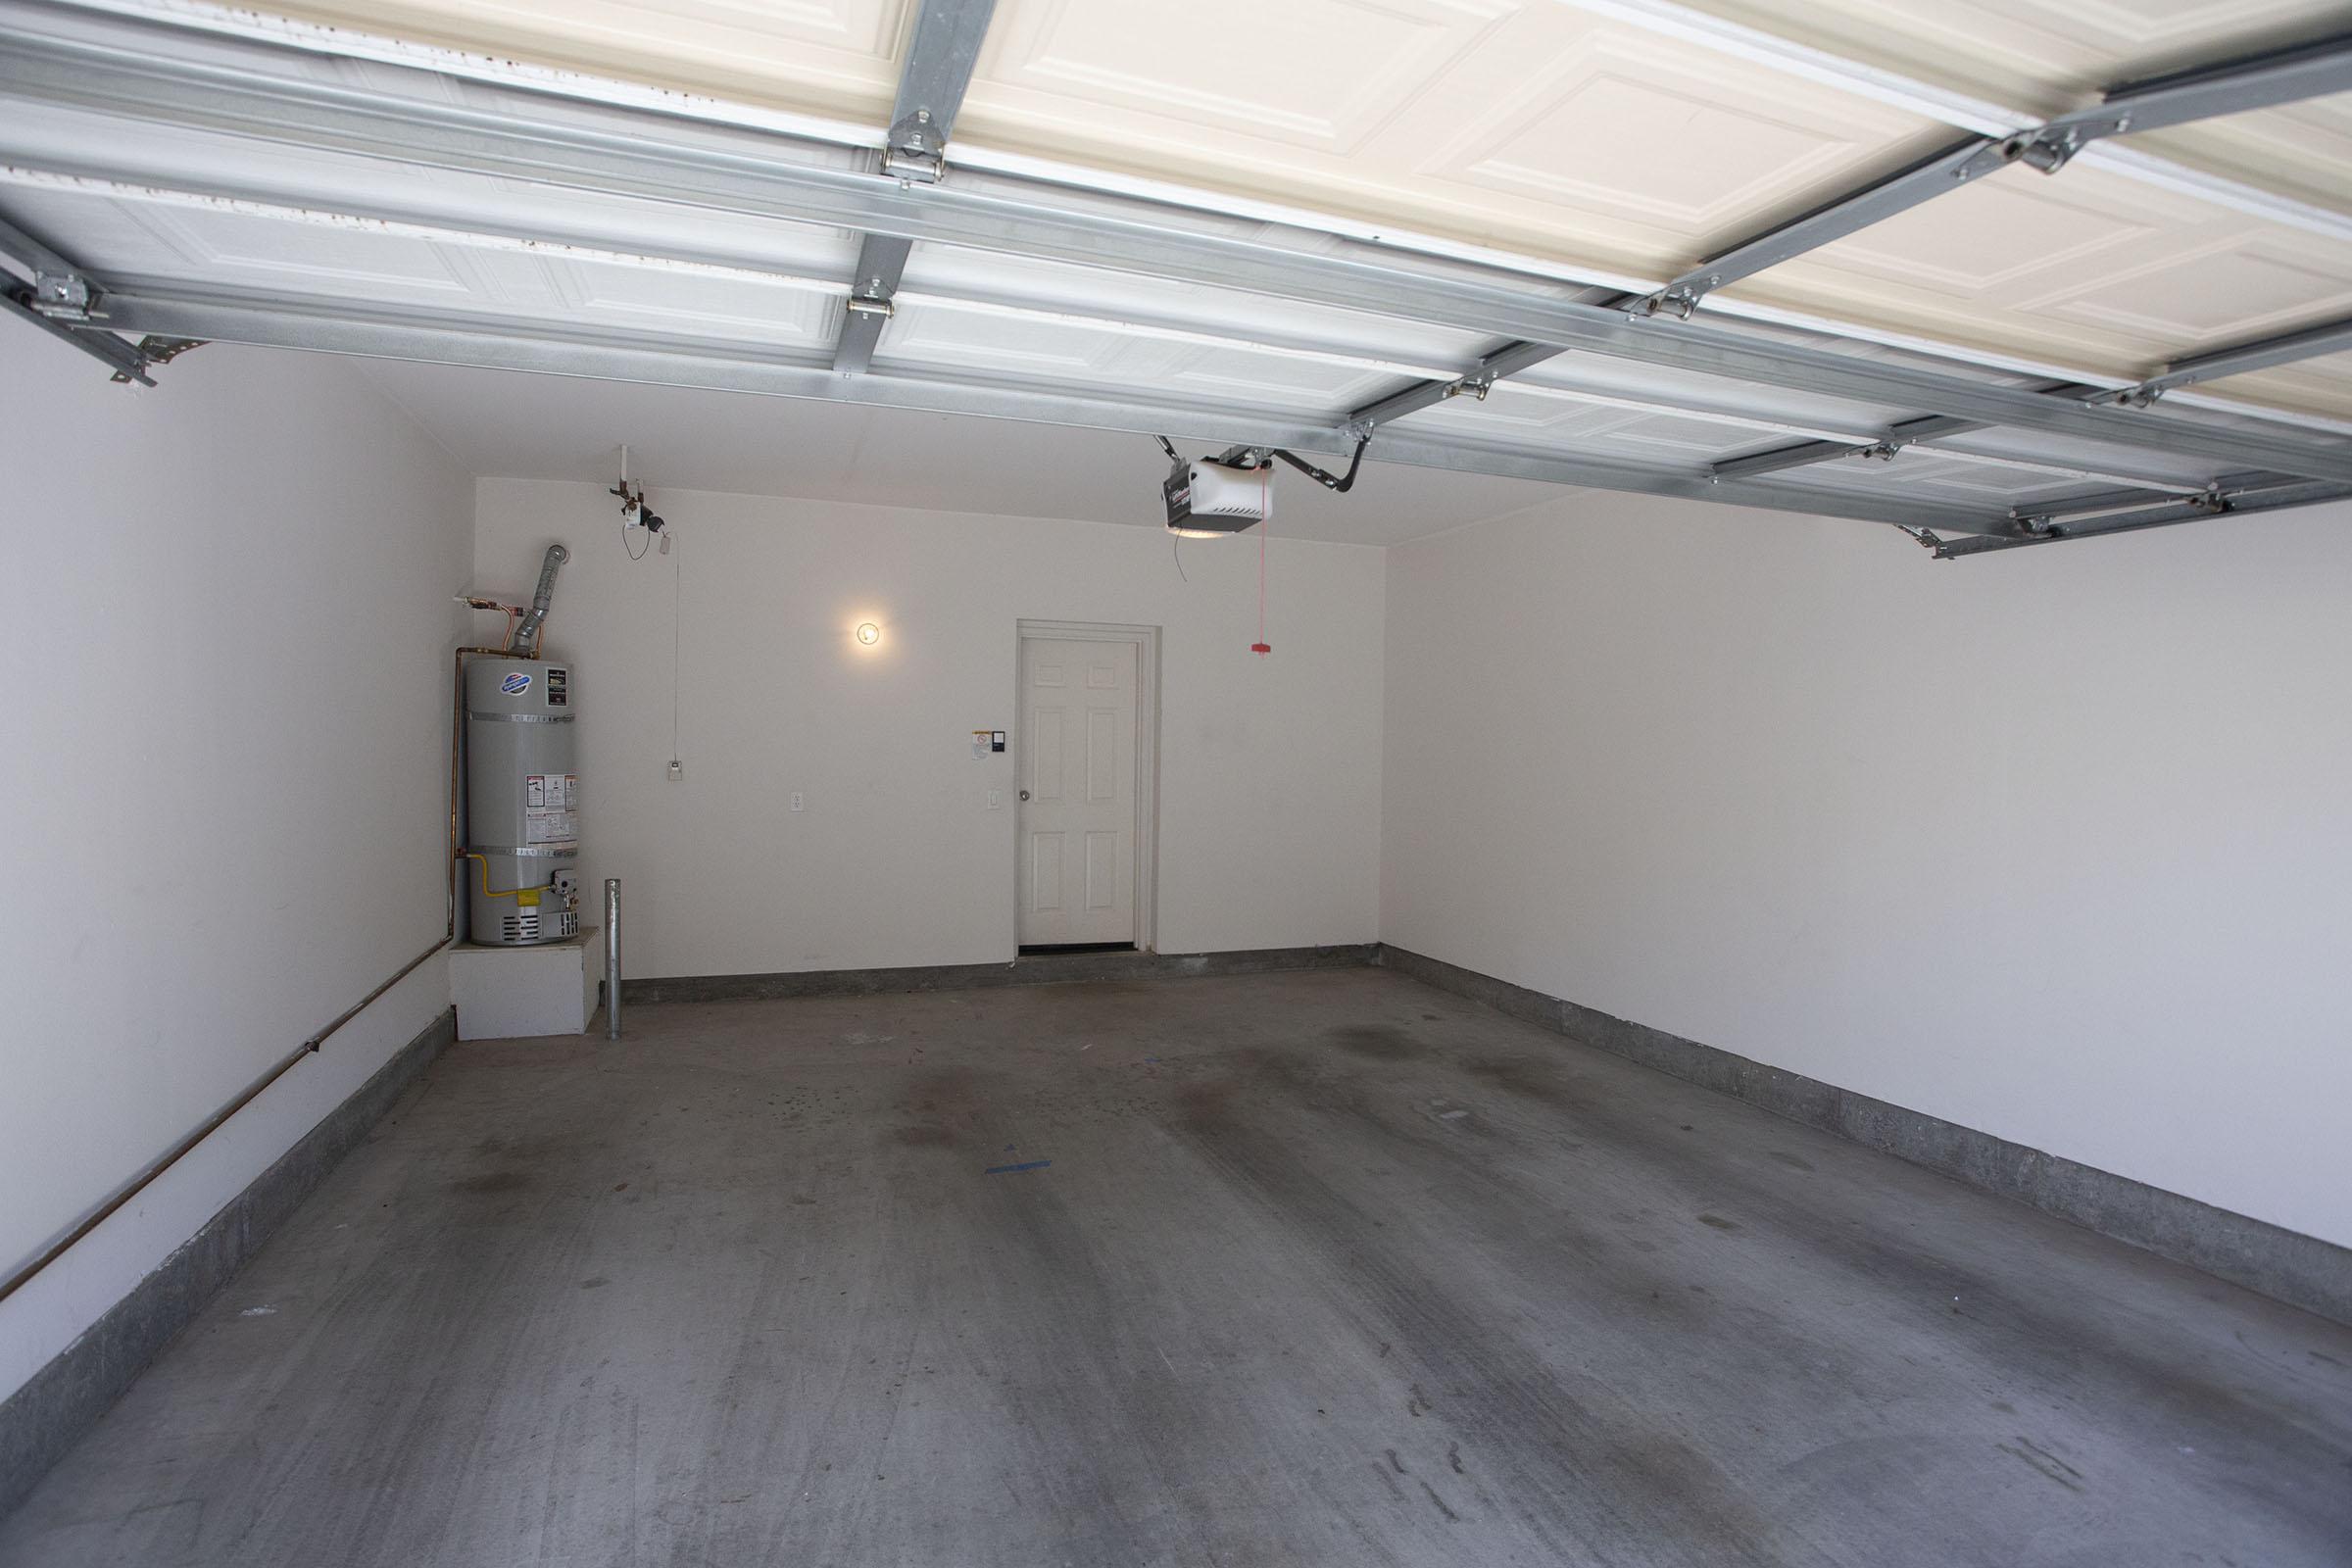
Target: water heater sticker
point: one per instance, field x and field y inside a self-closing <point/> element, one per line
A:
<point x="515" y="684"/>
<point x="547" y="811"/>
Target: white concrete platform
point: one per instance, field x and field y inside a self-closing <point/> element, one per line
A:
<point x="521" y="992"/>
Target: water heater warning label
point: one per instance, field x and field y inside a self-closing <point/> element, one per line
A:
<point x="546" y="807"/>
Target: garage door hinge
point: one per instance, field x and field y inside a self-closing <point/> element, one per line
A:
<point x="2051" y="149"/>
<point x="66" y="297"/>
<point x="917" y="150"/>
<point x="1678" y="302"/>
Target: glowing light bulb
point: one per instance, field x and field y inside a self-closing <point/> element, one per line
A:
<point x="868" y="633"/>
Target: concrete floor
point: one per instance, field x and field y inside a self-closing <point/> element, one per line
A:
<point x="1326" y="1268"/>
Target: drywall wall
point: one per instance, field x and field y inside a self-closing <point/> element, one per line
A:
<point x="1269" y="767"/>
<point x="2051" y="844"/>
<point x="225" y="618"/>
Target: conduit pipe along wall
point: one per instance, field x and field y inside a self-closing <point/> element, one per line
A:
<point x="24" y="1272"/>
<point x="166" y="944"/>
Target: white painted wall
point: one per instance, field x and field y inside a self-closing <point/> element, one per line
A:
<point x="1269" y="791"/>
<point x="225" y="619"/>
<point x="2052" y="844"/>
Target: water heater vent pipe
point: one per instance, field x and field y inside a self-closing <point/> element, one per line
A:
<point x="527" y="636"/>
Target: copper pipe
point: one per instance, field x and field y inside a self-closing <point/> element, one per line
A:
<point x="456" y="754"/>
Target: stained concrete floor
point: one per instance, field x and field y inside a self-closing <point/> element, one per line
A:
<point x="1326" y="1268"/>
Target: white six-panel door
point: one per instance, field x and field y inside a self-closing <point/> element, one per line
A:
<point x="1077" y="806"/>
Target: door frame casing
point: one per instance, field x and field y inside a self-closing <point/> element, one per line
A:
<point x="1147" y="757"/>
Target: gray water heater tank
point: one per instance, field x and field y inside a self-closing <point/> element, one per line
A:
<point x="521" y="803"/>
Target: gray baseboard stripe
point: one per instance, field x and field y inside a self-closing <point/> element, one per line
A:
<point x="2282" y="1265"/>
<point x="1052" y="968"/>
<point x="44" y="1418"/>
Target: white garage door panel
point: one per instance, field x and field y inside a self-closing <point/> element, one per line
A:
<point x="1593" y="135"/>
<point x="1624" y="138"/>
<point x="2046" y="56"/>
<point x="825" y="55"/>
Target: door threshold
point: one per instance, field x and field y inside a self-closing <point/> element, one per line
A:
<point x="1054" y="949"/>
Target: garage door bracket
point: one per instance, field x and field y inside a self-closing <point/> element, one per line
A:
<point x="940" y="56"/>
<point x="65" y="302"/>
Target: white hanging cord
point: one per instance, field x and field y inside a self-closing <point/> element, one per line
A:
<point x="678" y="621"/>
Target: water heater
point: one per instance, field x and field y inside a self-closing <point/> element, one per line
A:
<point x="521" y="802"/>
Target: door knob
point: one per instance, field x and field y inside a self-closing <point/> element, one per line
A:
<point x="1024" y="795"/>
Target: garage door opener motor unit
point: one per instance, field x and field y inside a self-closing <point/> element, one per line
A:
<point x="522" y="788"/>
<point x="1208" y="497"/>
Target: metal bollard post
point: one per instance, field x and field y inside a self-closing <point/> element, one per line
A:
<point x="611" y="957"/>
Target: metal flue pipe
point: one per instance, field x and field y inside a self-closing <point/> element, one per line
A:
<point x="526" y="635"/>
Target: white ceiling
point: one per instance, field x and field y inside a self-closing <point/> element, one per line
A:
<point x="506" y="424"/>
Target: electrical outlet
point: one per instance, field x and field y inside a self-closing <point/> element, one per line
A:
<point x="796" y="800"/>
<point x="677" y="770"/>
